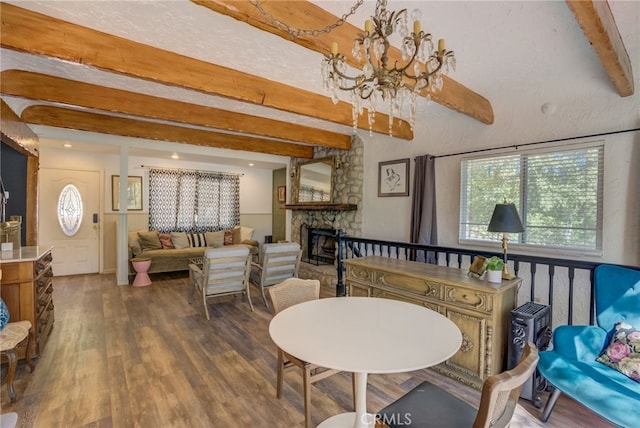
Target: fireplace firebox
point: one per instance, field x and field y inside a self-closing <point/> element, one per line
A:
<point x="318" y="244"/>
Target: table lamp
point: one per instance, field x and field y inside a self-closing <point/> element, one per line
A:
<point x="505" y="219"/>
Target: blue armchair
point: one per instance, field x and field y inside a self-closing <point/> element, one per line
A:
<point x="571" y="366"/>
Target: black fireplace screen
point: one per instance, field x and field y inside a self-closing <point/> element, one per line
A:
<point x="318" y="244"/>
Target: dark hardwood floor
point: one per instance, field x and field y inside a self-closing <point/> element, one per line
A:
<point x="120" y="356"/>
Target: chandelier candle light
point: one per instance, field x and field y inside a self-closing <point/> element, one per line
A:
<point x="422" y="69"/>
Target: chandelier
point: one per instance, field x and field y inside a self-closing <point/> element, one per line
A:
<point x="394" y="84"/>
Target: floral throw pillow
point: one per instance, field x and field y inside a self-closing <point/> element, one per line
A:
<point x="165" y="240"/>
<point x="228" y="237"/>
<point x="623" y="352"/>
<point x="4" y="314"/>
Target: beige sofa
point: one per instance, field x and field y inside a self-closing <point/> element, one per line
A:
<point x="171" y="252"/>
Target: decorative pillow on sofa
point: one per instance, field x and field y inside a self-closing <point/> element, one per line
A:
<point x="246" y="233"/>
<point x="196" y="240"/>
<point x="165" y="240"/>
<point x="215" y="239"/>
<point x="134" y="242"/>
<point x="150" y="240"/>
<point x="623" y="352"/>
<point x="179" y="240"/>
<point x="228" y="237"/>
<point x="236" y="237"/>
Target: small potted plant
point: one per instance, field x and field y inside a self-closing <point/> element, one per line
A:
<point x="494" y="268"/>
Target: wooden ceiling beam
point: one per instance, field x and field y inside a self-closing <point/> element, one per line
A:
<point x="16" y="133"/>
<point x="37" y="86"/>
<point x="104" y="124"/>
<point x="306" y="15"/>
<point x="597" y="22"/>
<point x="27" y="31"/>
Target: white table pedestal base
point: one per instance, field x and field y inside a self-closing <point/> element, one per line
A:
<point x="358" y="419"/>
<point x="347" y="420"/>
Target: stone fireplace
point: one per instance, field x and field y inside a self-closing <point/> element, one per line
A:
<point x="347" y="189"/>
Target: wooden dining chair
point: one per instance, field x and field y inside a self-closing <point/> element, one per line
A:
<point x="288" y="293"/>
<point x="430" y="406"/>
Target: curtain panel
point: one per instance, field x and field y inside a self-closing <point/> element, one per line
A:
<point x="193" y="201"/>
<point x="424" y="225"/>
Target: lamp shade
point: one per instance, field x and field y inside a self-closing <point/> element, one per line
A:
<point x="505" y="218"/>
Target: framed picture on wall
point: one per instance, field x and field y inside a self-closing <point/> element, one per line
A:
<point x="393" y="178"/>
<point x="282" y="193"/>
<point x="134" y="193"/>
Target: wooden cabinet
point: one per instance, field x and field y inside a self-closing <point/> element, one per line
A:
<point x="27" y="289"/>
<point x="480" y="309"/>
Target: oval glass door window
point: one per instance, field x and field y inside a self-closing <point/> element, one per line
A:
<point x="70" y="210"/>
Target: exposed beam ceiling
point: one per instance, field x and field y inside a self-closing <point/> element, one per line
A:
<point x="27" y="31"/>
<point x="180" y="65"/>
<point x="38" y="86"/>
<point x="73" y="119"/>
<point x="304" y="14"/>
<point x="599" y="26"/>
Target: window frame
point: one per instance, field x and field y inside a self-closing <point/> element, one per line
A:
<point x="516" y="241"/>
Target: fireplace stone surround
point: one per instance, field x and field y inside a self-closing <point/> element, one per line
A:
<point x="347" y="189"/>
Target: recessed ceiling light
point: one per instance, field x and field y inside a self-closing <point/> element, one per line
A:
<point x="175" y="156"/>
<point x="67" y="145"/>
<point x="250" y="164"/>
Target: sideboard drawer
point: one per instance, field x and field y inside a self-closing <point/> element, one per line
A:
<point x="419" y="286"/>
<point x="472" y="299"/>
<point x="386" y="294"/>
<point x="355" y="272"/>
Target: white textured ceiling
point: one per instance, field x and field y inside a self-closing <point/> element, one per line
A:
<point x="517" y="54"/>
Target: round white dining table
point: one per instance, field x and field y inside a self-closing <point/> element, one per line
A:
<point x="364" y="335"/>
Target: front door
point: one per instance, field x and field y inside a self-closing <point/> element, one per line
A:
<point x="79" y="252"/>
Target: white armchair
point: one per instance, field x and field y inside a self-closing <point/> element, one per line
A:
<point x="277" y="263"/>
<point x="224" y="271"/>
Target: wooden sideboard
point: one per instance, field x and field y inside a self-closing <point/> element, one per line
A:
<point x="27" y="290"/>
<point x="479" y="308"/>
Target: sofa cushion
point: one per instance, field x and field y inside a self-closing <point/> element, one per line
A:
<point x="150" y="240"/>
<point x="170" y="260"/>
<point x="179" y="240"/>
<point x="165" y="240"/>
<point x="215" y="239"/>
<point x="196" y="240"/>
<point x="623" y="352"/>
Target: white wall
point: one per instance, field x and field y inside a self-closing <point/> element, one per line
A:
<point x="255" y="184"/>
<point x="390" y="217"/>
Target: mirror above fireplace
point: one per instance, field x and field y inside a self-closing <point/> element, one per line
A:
<point x="315" y="182"/>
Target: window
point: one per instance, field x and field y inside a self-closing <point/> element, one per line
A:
<point x="193" y="201"/>
<point x="558" y="194"/>
<point x="70" y="210"/>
